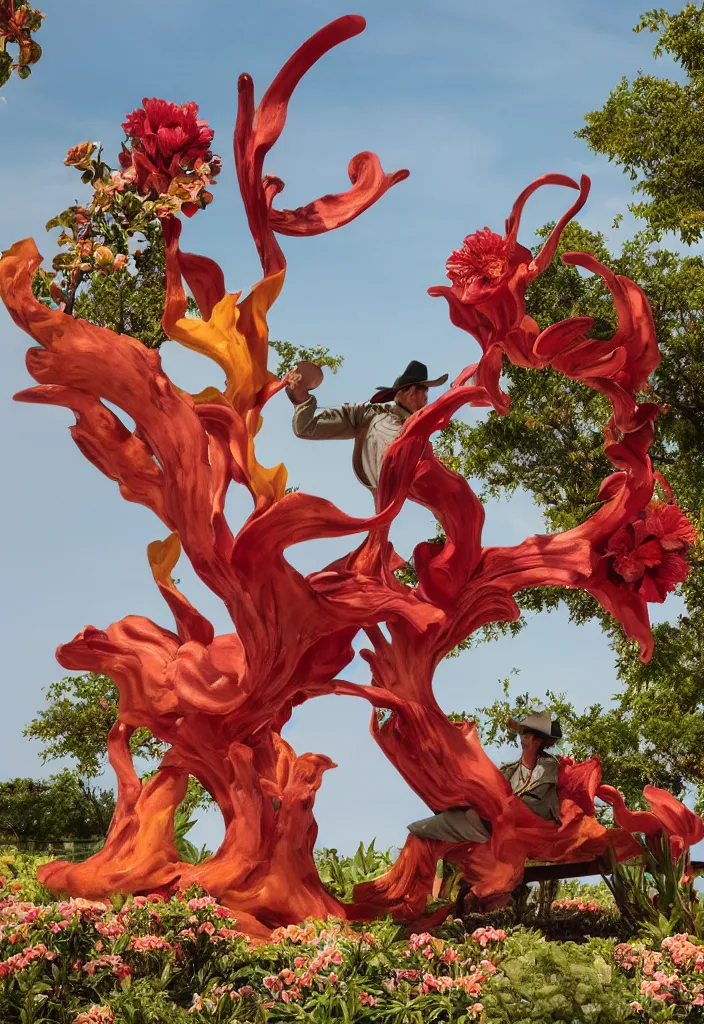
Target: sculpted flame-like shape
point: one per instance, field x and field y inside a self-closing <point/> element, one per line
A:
<point x="220" y="702"/>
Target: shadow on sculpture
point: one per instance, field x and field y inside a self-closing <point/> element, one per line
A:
<point x="220" y="702"/>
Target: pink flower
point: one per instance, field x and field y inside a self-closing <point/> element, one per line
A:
<point x="96" y="1015"/>
<point x="147" y="942"/>
<point x="417" y="941"/>
<point x="367" y="1000"/>
<point x="231" y="933"/>
<point x="477" y="1008"/>
<point x="486" y="935"/>
<point x="300" y="961"/>
<point x="208" y="927"/>
<point x="333" y="979"/>
<point x="450" y="956"/>
<point x="120" y="261"/>
<point x="407" y="975"/>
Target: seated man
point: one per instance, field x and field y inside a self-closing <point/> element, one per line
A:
<point x="533" y="778"/>
<point x="373" y="425"/>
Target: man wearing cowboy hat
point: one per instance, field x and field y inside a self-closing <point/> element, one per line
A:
<point x="533" y="778"/>
<point x="373" y="424"/>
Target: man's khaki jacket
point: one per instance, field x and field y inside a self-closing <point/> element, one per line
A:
<point x="373" y="428"/>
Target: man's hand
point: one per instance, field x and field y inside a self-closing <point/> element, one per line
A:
<point x="296" y="390"/>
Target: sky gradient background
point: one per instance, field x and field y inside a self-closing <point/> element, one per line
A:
<point x="477" y="100"/>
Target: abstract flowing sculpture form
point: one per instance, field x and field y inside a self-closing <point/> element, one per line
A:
<point x="220" y="702"/>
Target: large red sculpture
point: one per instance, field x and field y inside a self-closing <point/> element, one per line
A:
<point x="220" y="702"/>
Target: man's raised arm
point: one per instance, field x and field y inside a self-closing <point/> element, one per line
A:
<point x="327" y="424"/>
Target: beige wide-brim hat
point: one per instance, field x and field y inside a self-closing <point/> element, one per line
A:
<point x="540" y="724"/>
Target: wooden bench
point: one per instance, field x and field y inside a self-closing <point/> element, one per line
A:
<point x="558" y="872"/>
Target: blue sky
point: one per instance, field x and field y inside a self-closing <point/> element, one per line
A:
<point x="476" y="99"/>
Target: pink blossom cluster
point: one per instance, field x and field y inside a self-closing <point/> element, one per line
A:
<point x="19" y="961"/>
<point x="201" y="1003"/>
<point x="685" y="953"/>
<point x="308" y="934"/>
<point x="664" y="988"/>
<point x="96" y="1015"/>
<point x="119" y="968"/>
<point x="582" y="906"/>
<point x="657" y="983"/>
<point x="146" y="943"/>
<point x="486" y="935"/>
<point x="630" y="956"/>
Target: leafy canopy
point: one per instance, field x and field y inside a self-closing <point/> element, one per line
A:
<point x="654" y="127"/>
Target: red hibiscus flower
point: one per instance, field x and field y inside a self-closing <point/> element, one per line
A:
<point x="170" y="143"/>
<point x="481" y="265"/>
<point x="648" y="553"/>
<point x="641" y="563"/>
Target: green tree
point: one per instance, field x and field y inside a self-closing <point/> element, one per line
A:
<point x="654" y="127"/>
<point x="63" y="808"/>
<point x="550" y="445"/>
<point x="79" y="713"/>
<point x="130" y="303"/>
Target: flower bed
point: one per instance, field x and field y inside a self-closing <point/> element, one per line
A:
<point x="151" y="961"/>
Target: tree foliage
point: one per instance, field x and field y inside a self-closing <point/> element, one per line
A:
<point x="654" y="127"/>
<point x="79" y="713"/>
<point x="64" y="808"/>
<point x="130" y="303"/>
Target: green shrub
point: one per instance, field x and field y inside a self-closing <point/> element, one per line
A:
<point x="541" y="982"/>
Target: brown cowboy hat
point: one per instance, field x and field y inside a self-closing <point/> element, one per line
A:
<point x="539" y="724"/>
<point x="415" y="373"/>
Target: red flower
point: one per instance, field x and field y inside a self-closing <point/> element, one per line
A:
<point x="79" y="156"/>
<point x="169" y="142"/>
<point x="648" y="553"/>
<point x="641" y="563"/>
<point x="490" y="274"/>
<point x="481" y="265"/>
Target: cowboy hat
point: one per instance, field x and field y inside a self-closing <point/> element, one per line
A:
<point x="415" y="373"/>
<point x="539" y="724"/>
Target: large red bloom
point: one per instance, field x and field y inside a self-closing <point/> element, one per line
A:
<point x="481" y="265"/>
<point x="647" y="555"/>
<point x="170" y="144"/>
